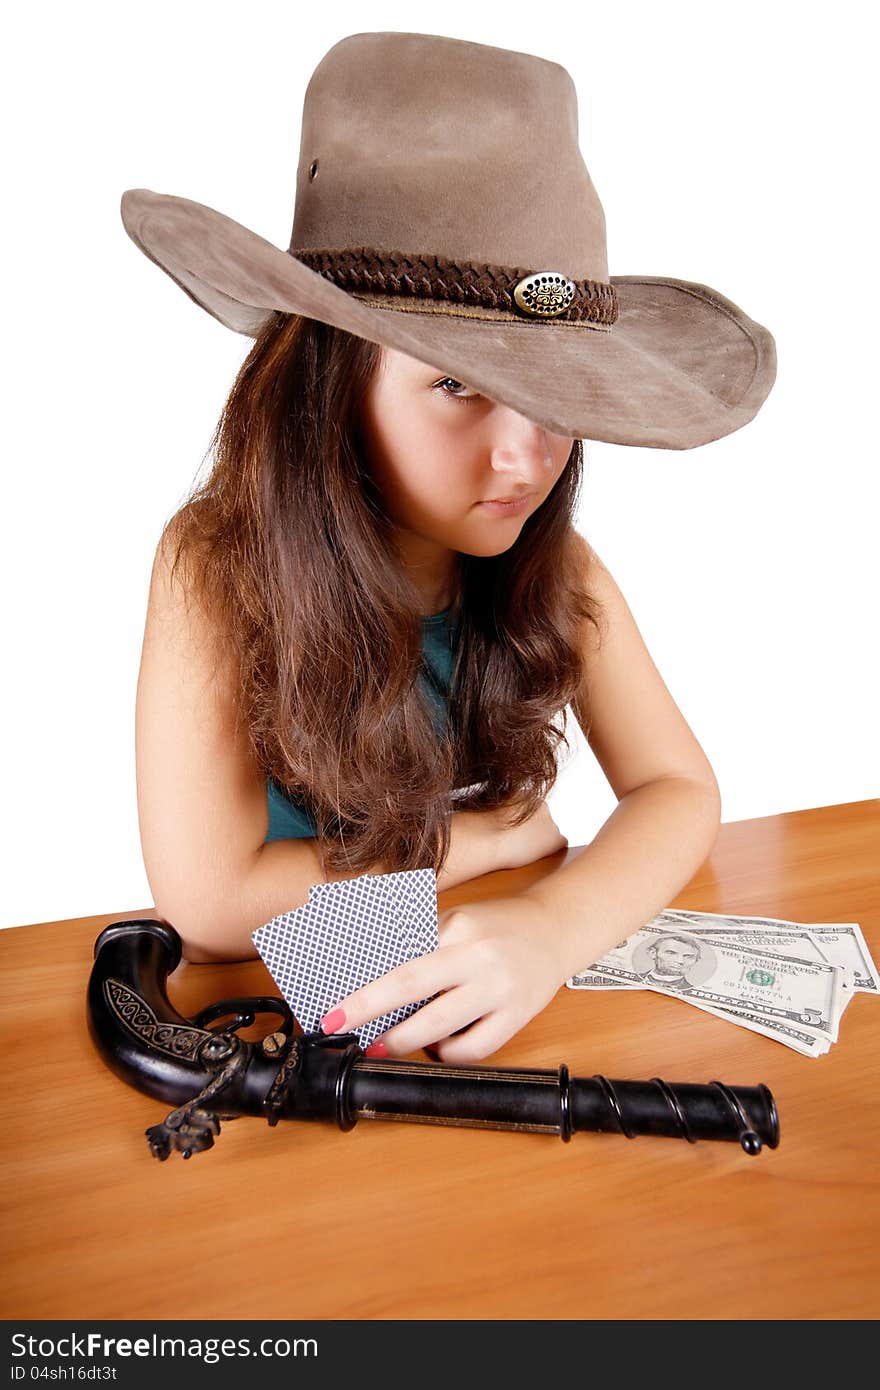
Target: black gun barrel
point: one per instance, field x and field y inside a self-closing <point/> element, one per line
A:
<point x="211" y="1074"/>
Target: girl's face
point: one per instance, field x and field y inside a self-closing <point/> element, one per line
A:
<point x="438" y="451"/>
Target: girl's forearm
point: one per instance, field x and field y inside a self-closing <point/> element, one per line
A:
<point x="476" y="846"/>
<point x="278" y="880"/>
<point x="649" y="848"/>
<point x="283" y="871"/>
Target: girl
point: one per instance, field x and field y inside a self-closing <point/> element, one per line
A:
<point x="363" y="626"/>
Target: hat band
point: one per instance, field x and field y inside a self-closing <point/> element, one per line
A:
<point x="539" y="294"/>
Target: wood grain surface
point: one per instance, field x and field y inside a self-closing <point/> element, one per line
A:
<point x="417" y="1221"/>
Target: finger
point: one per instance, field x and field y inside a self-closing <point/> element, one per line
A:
<point x="408" y="983"/>
<point x="486" y="1036"/>
<point x="450" y="1012"/>
<point x="431" y="1048"/>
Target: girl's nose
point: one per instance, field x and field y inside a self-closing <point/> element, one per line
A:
<point x="524" y="451"/>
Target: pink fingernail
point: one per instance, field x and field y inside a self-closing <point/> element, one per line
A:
<point x="331" y="1022"/>
<point x="377" y="1049"/>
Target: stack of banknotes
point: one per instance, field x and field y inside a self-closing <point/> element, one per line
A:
<point x="790" y="981"/>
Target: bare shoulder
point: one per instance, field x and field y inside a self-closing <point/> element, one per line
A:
<point x="602" y="590"/>
<point x="627" y="713"/>
<point x="173" y="576"/>
<point x="178" y="617"/>
<point x="201" y="796"/>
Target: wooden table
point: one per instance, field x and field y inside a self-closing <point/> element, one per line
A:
<point x="422" y="1221"/>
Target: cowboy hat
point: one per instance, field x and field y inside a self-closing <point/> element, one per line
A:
<point x="443" y="208"/>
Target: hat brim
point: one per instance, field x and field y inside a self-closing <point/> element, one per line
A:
<point x="682" y="365"/>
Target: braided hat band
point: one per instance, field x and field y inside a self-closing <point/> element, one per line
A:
<point x="467" y="284"/>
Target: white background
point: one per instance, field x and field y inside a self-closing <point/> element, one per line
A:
<point x="734" y="146"/>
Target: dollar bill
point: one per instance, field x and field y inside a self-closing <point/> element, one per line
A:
<point x="587" y="979"/>
<point x="724" y="973"/>
<point x="841" y="943"/>
<point x="722" y="920"/>
<point x="789" y="981"/>
<point x="845" y="945"/>
<point x="807" y="1043"/>
<point x="794" y="943"/>
<point x="798" y="943"/>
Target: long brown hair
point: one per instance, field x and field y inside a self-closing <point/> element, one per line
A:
<point x="288" y="545"/>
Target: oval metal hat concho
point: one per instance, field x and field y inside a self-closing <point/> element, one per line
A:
<point x="546" y="294"/>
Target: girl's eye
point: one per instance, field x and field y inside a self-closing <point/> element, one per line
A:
<point x="449" y="382"/>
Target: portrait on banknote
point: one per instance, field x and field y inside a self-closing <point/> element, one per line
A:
<point x="674" y="962"/>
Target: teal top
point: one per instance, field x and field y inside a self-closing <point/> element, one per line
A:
<point x="288" y="818"/>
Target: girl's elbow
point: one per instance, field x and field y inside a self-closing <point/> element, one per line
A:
<point x="205" y="937"/>
<point x="711" y="808"/>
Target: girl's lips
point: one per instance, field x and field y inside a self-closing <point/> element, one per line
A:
<point x="507" y="508"/>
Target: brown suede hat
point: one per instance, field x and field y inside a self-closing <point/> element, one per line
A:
<point x="443" y="208"/>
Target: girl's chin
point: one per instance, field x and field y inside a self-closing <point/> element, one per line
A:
<point x="486" y="549"/>
<point x="492" y="534"/>
<point x="476" y="537"/>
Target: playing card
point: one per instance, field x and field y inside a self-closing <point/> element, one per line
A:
<point x="414" y="893"/>
<point x="347" y="934"/>
<point x="411" y="896"/>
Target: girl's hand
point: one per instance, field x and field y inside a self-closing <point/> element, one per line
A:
<point x="496" y="967"/>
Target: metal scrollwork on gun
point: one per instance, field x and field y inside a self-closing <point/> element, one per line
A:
<point x="210" y="1075"/>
